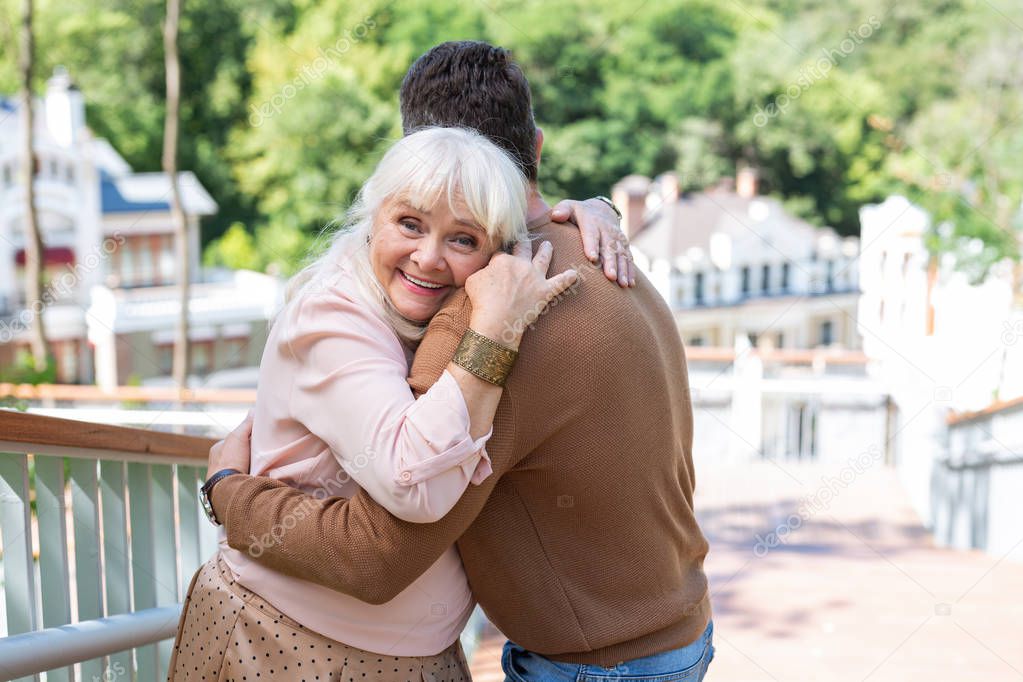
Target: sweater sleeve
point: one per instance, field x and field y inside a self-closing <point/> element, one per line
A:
<point x="354" y="545"/>
<point x="413" y="456"/>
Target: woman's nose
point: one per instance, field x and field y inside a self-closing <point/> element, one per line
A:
<point x="429" y="256"/>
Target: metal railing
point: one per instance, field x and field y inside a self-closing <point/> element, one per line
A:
<point x="101" y="534"/>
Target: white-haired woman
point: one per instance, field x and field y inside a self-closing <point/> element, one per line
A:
<point x="334" y="412"/>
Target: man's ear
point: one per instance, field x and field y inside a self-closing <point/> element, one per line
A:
<point x="539" y="144"/>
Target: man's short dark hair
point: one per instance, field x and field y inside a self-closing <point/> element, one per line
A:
<point x="472" y="84"/>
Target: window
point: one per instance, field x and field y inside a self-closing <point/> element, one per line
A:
<point x="165" y="259"/>
<point x="69" y="174"/>
<point x="780" y="340"/>
<point x="698" y="288"/>
<point x="830" y="277"/>
<point x="745" y="280"/>
<point x="234" y="351"/>
<point x="66" y="355"/>
<point x="826" y="333"/>
<point x="145" y="264"/>
<point x="165" y="356"/>
<point x="785" y="277"/>
<point x="8" y="176"/>
<point x="696" y="341"/>
<point x="765" y="279"/>
<point x="202" y="357"/>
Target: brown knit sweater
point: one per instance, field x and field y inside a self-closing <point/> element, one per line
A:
<point x="582" y="545"/>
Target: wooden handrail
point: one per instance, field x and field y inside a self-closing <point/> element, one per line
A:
<point x="29" y="429"/>
<point x="124" y="393"/>
<point x="998" y="406"/>
<point x="783" y="355"/>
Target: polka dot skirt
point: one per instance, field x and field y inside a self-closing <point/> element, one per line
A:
<point x="229" y="633"/>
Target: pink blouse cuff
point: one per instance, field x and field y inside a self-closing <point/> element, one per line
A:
<point x="429" y="424"/>
<point x="457" y="455"/>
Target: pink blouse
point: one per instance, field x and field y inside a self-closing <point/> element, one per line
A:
<point x="334" y="413"/>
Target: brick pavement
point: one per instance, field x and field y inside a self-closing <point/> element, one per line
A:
<point x="854" y="591"/>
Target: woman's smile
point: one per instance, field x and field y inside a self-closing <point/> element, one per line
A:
<point x="421" y="254"/>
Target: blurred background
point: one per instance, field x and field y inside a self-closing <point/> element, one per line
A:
<point x="828" y="196"/>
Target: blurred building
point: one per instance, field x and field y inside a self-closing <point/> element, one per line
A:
<point x="950" y="353"/>
<point x="731" y="262"/>
<point x="766" y="305"/>
<point x="110" y="257"/>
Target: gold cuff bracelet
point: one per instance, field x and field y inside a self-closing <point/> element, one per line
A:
<point x="484" y="358"/>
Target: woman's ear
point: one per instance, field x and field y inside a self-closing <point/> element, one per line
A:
<point x="539" y="144"/>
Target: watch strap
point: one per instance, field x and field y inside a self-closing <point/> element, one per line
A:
<point x="207" y="488"/>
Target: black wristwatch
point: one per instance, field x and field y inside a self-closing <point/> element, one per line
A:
<point x="207" y="488"/>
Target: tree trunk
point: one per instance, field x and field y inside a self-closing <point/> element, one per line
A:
<point x="34" y="251"/>
<point x="170" y="166"/>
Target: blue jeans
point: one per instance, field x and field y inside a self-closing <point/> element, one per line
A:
<point x="688" y="663"/>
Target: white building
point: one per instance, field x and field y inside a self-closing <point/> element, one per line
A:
<point x="737" y="269"/>
<point x="109" y="242"/>
<point x="730" y="262"/>
<point x="950" y="353"/>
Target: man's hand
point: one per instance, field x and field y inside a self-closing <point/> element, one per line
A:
<point x="235" y="451"/>
<point x="603" y="239"/>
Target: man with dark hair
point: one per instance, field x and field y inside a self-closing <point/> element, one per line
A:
<point x="582" y="546"/>
<point x="474" y="85"/>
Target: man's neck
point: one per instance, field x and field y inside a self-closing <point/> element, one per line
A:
<point x="536" y="207"/>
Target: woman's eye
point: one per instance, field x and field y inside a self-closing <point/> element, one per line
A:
<point x="409" y="225"/>
<point x="466" y="241"/>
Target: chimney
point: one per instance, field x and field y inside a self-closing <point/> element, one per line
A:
<point x="64" y="108"/>
<point x="746" y="182"/>
<point x="629" y="196"/>
<point x="671" y="188"/>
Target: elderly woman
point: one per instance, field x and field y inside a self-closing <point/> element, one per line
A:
<point x="334" y="413"/>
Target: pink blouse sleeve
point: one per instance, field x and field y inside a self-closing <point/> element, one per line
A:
<point x="414" y="456"/>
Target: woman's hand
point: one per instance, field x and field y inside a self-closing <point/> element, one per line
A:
<point x="512" y="291"/>
<point x="603" y="239"/>
<point x="235" y="451"/>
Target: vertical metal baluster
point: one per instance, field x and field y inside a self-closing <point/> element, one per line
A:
<point x="142" y="570"/>
<point x="88" y="575"/>
<point x="116" y="573"/>
<point x="188" y="520"/>
<point x="54" y="581"/>
<point x="16" y="529"/>
<point x="165" y="551"/>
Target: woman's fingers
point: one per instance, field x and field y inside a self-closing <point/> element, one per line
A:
<point x="523" y="250"/>
<point x="591" y="241"/>
<point x="557" y="284"/>
<point x="623" y="269"/>
<point x="542" y="259"/>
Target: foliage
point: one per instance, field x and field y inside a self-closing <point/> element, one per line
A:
<point x="287" y="106"/>
<point x="23" y="371"/>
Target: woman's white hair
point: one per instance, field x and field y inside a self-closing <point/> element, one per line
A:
<point x="423" y="168"/>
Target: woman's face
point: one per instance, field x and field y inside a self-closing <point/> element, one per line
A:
<point x="420" y="256"/>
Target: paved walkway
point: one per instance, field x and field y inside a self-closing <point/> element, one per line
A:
<point x="852" y="590"/>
